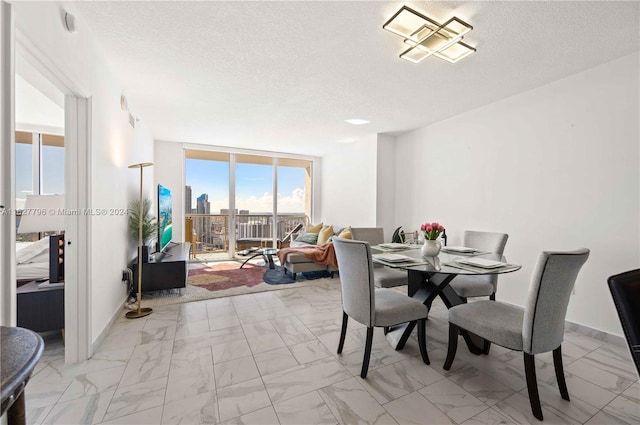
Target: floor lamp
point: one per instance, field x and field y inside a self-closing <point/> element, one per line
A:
<point x="140" y="312"/>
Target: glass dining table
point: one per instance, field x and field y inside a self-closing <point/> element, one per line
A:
<point x="429" y="277"/>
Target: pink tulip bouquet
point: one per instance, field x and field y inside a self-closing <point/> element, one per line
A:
<point x="431" y="230"/>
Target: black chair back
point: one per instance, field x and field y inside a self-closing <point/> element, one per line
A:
<point x="625" y="290"/>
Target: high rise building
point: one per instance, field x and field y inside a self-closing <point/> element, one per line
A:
<point x="203" y="206"/>
<point x="187" y="199"/>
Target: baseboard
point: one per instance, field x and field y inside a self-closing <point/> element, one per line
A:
<point x="596" y="334"/>
<point x="107" y="328"/>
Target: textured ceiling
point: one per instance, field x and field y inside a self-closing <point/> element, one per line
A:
<point x="284" y="76"/>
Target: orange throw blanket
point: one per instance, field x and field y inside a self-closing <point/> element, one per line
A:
<point x="323" y="254"/>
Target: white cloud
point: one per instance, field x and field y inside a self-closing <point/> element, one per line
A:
<point x="292" y="203"/>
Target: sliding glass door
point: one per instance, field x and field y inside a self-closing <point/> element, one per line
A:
<point x="294" y="196"/>
<point x="233" y="207"/>
<point x="254" y="204"/>
<point x="206" y="196"/>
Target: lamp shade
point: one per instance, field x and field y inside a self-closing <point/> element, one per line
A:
<point x="42" y="213"/>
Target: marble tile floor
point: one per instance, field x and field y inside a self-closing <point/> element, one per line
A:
<point x="270" y="358"/>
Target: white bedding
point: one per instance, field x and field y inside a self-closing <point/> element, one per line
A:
<point x="32" y="260"/>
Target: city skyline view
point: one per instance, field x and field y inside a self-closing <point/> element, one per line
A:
<point x="254" y="186"/>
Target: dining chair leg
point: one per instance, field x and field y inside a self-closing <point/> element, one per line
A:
<point x="453" y="346"/>
<point x="532" y="385"/>
<point x="557" y="363"/>
<point x="486" y="346"/>
<point x="367" y="353"/>
<point x="422" y="340"/>
<point x="343" y="332"/>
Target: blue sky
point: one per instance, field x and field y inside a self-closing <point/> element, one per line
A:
<point x="254" y="185"/>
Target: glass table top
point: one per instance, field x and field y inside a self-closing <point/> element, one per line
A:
<point x="445" y="262"/>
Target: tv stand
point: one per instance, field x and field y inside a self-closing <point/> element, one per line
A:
<point x="166" y="270"/>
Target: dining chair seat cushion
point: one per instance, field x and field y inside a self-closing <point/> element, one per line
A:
<point x="495" y="321"/>
<point x="470" y="286"/>
<point x="388" y="278"/>
<point x="393" y="308"/>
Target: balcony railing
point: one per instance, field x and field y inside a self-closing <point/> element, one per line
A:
<point x="211" y="231"/>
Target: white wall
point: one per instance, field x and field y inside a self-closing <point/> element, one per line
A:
<point x="348" y="184"/>
<point x="169" y="172"/>
<point x="386" y="185"/>
<point x="556" y="168"/>
<point x="114" y="145"/>
<point x="35" y="110"/>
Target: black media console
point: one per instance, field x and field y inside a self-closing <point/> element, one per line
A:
<point x="167" y="270"/>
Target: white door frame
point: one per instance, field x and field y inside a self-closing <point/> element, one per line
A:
<point x="7" y="168"/>
<point x="77" y="187"/>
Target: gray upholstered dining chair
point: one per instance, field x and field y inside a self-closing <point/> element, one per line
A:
<point x="371" y="306"/>
<point x="536" y="328"/>
<point x="384" y="277"/>
<point x="480" y="286"/>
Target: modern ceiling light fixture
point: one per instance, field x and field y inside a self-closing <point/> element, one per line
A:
<point x="427" y="37"/>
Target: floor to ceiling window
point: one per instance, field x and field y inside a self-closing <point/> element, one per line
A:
<point x="39" y="170"/>
<point x="294" y="194"/>
<point x="24" y="167"/>
<point x="230" y="203"/>
<point x="52" y="163"/>
<point x="207" y="201"/>
<point x="254" y="205"/>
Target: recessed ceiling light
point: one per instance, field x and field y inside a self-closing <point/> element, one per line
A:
<point x="357" y="121"/>
<point x="348" y="140"/>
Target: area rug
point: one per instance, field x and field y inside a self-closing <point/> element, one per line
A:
<point x="196" y="293"/>
<point x="224" y="276"/>
<point x="277" y="276"/>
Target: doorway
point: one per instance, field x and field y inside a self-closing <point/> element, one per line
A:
<point x="63" y="160"/>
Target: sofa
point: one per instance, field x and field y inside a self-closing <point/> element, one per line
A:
<point x="384" y="277"/>
<point x="295" y="262"/>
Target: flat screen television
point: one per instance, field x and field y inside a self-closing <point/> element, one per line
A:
<point x="164" y="217"/>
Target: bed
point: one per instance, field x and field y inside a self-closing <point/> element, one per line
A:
<point x="32" y="260"/>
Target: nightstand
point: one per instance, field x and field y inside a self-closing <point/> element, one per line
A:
<point x="40" y="309"/>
